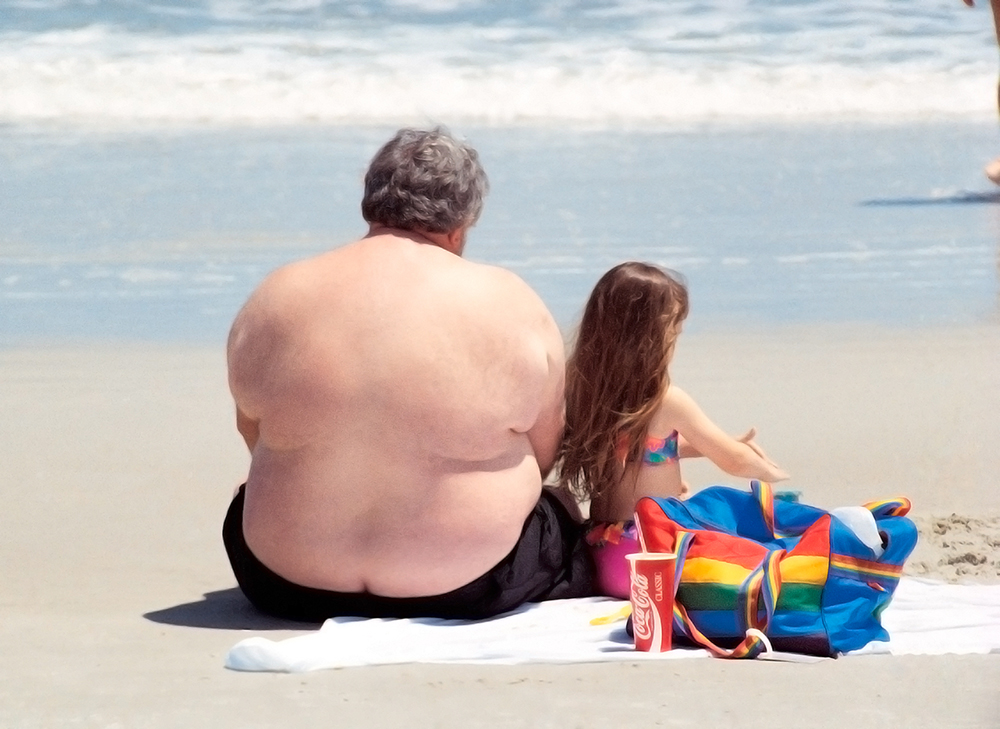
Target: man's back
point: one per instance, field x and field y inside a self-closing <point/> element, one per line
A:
<point x="394" y="386"/>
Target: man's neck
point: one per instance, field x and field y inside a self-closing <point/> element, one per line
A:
<point x="453" y="242"/>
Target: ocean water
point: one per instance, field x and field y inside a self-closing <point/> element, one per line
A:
<point x="797" y="160"/>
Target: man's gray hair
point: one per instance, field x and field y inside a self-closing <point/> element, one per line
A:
<point x="424" y="180"/>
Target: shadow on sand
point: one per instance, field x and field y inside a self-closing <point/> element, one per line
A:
<point x="224" y="610"/>
<point x="958" y="198"/>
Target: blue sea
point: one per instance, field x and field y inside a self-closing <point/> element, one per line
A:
<point x="798" y="161"/>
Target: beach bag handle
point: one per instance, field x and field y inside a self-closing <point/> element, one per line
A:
<point x="764" y="494"/>
<point x="899" y="506"/>
<point x="756" y="600"/>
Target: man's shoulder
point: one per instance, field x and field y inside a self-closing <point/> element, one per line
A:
<point x="290" y="283"/>
<point x="274" y="303"/>
<point x="501" y="284"/>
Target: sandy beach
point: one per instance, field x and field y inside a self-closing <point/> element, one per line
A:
<point x="117" y="605"/>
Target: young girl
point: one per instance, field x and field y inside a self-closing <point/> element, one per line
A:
<point x="627" y="425"/>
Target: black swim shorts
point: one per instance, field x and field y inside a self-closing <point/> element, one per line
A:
<point x="549" y="562"/>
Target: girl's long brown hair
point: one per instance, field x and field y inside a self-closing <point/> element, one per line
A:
<point x="617" y="374"/>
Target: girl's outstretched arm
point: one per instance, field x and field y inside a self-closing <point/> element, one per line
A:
<point x="686" y="450"/>
<point x="736" y="456"/>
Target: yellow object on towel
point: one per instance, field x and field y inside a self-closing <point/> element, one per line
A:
<point x="614" y="617"/>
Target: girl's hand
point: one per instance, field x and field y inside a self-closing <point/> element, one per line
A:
<point x="748" y="439"/>
<point x="779" y="474"/>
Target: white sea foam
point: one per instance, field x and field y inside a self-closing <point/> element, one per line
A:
<point x="261" y="88"/>
<point x="618" y="62"/>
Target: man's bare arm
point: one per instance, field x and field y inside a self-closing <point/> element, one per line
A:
<point x="248" y="428"/>
<point x="239" y="381"/>
<point x="253" y="338"/>
<point x="546" y="434"/>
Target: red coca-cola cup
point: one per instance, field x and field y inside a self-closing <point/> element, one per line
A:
<point x="652" y="595"/>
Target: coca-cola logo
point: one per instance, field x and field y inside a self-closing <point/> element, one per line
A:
<point x="642" y="608"/>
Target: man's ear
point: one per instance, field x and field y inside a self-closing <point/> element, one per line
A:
<point x="456" y="240"/>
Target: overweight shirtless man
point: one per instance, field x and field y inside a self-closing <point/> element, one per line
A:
<point x="401" y="406"/>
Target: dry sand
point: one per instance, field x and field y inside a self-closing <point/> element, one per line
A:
<point x="117" y="605"/>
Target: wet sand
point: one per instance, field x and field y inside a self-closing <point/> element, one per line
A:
<point x="117" y="605"/>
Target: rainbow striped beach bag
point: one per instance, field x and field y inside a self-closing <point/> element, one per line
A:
<point x="749" y="565"/>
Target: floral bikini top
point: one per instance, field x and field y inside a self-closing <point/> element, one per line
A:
<point x="658" y="450"/>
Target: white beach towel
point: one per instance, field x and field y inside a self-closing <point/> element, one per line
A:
<point x="924" y="618"/>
